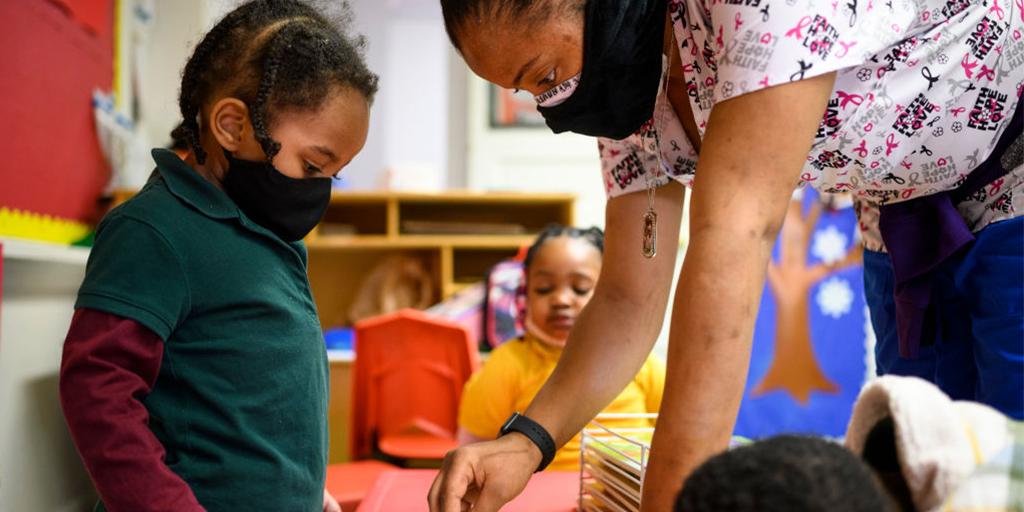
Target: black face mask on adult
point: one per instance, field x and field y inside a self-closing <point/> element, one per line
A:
<point x="622" y="44"/>
<point x="288" y="207"/>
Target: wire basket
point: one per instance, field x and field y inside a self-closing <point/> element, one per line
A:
<point x="613" y="463"/>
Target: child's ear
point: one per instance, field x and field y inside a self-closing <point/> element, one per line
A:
<point x="229" y="120"/>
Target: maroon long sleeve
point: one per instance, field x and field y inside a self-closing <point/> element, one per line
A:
<point x="110" y="364"/>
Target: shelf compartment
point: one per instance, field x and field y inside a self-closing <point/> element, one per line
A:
<point x="336" y="278"/>
<point x="354" y="217"/>
<point x="372" y="242"/>
<point x="474" y="217"/>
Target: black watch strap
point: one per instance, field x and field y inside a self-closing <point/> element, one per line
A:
<point x="534" y="432"/>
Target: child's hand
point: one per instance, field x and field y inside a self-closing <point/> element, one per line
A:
<point x="330" y="504"/>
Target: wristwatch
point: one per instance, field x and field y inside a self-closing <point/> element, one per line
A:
<point x="534" y="432"/>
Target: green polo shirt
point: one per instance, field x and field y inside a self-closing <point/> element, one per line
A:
<point x="241" y="400"/>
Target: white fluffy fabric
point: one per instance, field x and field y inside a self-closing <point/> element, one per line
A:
<point x="939" y="441"/>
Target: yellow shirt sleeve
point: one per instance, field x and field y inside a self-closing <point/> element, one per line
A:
<point x="652" y="381"/>
<point x="488" y="398"/>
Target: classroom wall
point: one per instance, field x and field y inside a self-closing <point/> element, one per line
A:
<point x="409" y="124"/>
<point x="59" y="51"/>
<point x="161" y="54"/>
<point x="39" y="467"/>
<point x="530" y="159"/>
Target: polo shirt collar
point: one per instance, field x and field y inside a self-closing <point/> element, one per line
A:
<point x="189" y="186"/>
<point x="185" y="183"/>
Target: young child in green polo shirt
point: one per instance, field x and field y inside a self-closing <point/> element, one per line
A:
<point x="194" y="375"/>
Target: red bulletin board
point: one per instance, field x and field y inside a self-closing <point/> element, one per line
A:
<point x="60" y="51"/>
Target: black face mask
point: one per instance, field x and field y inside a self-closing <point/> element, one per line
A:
<point x="288" y="207"/>
<point x="622" y="43"/>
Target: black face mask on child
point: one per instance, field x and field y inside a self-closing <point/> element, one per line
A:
<point x="622" y="42"/>
<point x="288" y="207"/>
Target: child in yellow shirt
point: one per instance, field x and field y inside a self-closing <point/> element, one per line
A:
<point x="561" y="267"/>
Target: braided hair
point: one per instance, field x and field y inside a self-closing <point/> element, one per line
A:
<point x="593" y="235"/>
<point x="272" y="55"/>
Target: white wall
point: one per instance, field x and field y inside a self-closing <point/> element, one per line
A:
<point x="173" y="33"/>
<point x="409" y="125"/>
<point x="40" y="471"/>
<point x="531" y="159"/>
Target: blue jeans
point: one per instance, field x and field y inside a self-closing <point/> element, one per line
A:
<point x="978" y="349"/>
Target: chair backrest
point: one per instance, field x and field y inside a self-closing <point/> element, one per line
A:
<point x="409" y="372"/>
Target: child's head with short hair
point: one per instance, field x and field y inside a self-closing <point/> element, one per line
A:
<point x="277" y="81"/>
<point x="783" y="474"/>
<point x="562" y="267"/>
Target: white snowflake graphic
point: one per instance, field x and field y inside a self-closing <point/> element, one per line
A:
<point x="834" y="297"/>
<point x="829" y="245"/>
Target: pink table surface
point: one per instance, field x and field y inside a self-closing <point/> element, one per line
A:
<point x="405" y="490"/>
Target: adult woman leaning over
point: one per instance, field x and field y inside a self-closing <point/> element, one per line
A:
<point x="910" y="105"/>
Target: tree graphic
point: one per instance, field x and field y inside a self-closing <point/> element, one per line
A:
<point x="794" y="368"/>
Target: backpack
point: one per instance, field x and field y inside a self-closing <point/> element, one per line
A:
<point x="504" y="303"/>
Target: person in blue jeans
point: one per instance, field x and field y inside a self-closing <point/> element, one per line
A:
<point x="976" y="350"/>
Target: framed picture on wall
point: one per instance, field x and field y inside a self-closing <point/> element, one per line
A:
<point x="509" y="109"/>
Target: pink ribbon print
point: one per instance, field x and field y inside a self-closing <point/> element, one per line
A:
<point x="891" y="144"/>
<point x="986" y="72"/>
<point x="846" y="98"/>
<point x="996" y="9"/>
<point x="968" y="66"/>
<point x="846" y="48"/>
<point x="996" y="186"/>
<point x="798" y="30"/>
<point x="862" y="150"/>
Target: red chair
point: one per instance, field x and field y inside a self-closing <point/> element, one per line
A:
<point x="409" y="372"/>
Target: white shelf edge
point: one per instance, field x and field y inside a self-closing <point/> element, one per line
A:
<point x="32" y="250"/>
<point x="341" y="356"/>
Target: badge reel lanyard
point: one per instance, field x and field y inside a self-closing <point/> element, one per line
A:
<point x="649" y="247"/>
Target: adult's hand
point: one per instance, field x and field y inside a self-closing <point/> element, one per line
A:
<point x="484" y="476"/>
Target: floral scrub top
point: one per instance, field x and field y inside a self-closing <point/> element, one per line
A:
<point x="923" y="91"/>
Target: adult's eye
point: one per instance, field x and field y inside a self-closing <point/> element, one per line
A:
<point x="313" y="170"/>
<point x="549" y="79"/>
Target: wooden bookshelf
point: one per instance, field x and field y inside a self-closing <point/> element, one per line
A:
<point x="474" y="231"/>
<point x="360" y="229"/>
